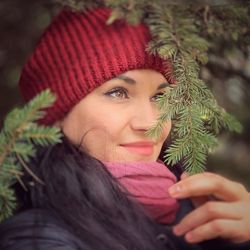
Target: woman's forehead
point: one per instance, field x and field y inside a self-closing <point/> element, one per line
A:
<point x="132" y="77"/>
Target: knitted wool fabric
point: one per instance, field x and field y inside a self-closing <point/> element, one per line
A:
<point x="78" y="52"/>
<point x="148" y="183"/>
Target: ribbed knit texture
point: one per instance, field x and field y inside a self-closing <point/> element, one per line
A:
<point x="148" y="183"/>
<point x="79" y="51"/>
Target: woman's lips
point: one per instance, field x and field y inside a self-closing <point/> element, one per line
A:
<point x="143" y="148"/>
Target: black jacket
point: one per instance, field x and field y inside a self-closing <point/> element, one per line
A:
<point x="39" y="229"/>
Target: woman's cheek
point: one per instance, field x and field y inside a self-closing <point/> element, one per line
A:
<point x="166" y="130"/>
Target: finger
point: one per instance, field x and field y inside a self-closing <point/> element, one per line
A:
<point x="227" y="229"/>
<point x="208" y="184"/>
<point x="208" y="212"/>
<point x="197" y="201"/>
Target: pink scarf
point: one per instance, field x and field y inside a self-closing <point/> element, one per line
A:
<point x="148" y="182"/>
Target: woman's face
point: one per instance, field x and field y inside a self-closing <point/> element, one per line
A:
<point x="110" y="122"/>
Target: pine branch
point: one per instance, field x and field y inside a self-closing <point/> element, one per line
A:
<point x="7" y="202"/>
<point x="176" y="37"/>
<point x="79" y="5"/>
<point x="18" y="138"/>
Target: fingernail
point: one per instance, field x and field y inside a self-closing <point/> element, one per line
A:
<point x="174" y="190"/>
<point x="177" y="231"/>
<point x="189" y="237"/>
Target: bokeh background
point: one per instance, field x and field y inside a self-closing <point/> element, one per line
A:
<point x="227" y="74"/>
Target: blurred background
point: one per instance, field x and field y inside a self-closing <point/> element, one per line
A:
<point x="227" y="74"/>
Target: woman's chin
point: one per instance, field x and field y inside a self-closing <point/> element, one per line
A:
<point x="131" y="157"/>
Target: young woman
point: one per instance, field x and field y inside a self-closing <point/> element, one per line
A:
<point x="105" y="186"/>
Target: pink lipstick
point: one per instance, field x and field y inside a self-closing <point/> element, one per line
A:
<point x="140" y="147"/>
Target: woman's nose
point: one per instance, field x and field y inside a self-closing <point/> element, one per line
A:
<point x="144" y="116"/>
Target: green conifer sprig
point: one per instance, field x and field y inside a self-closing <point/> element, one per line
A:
<point x="18" y="137"/>
<point x="78" y="5"/>
<point x="132" y="11"/>
<point x="228" y="23"/>
<point x="176" y="37"/>
<point x="7" y="202"/>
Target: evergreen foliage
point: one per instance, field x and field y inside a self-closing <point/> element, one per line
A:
<point x="179" y="35"/>
<point x="18" y="139"/>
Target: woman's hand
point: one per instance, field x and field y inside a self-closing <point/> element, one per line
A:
<point x="222" y="208"/>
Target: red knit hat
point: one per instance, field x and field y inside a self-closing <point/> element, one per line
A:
<point x="78" y="52"/>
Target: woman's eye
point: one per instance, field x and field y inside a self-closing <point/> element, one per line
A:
<point x="157" y="96"/>
<point x="120" y="93"/>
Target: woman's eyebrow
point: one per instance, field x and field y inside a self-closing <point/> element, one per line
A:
<point x="132" y="81"/>
<point x="126" y="79"/>
<point x="163" y="85"/>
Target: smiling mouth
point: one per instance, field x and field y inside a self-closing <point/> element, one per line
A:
<point x="140" y="148"/>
